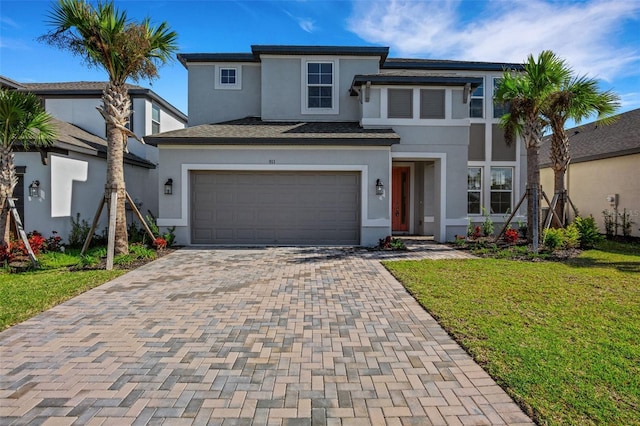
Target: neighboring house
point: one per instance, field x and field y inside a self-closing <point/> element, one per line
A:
<point x="71" y="174"/>
<point x="603" y="172"/>
<point x="335" y="145"/>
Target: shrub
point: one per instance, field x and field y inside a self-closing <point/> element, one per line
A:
<point x="553" y="238"/>
<point x="54" y="243"/>
<point x="511" y="236"/>
<point x="571" y="237"/>
<point x="36" y="241"/>
<point x="589" y="233"/>
<point x="79" y="231"/>
<point x="487" y="225"/>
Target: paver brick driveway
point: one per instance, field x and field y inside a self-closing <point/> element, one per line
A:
<point x="291" y="336"/>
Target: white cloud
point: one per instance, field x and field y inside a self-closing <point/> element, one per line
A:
<point x="586" y="34"/>
<point x="306" y="24"/>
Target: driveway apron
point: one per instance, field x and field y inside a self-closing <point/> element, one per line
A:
<point x="264" y="336"/>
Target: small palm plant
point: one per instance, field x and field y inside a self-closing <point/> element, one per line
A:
<point x="24" y="121"/>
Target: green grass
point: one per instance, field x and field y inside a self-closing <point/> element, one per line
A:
<point x="25" y="294"/>
<point x="563" y="338"/>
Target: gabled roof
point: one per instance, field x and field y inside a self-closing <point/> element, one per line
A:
<point x="594" y="141"/>
<point x="7" y="83"/>
<point x="254" y="131"/>
<point x="73" y="138"/>
<point x="94" y="89"/>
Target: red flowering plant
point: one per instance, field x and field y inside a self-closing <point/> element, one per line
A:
<point x="6" y="252"/>
<point x="511" y="236"/>
<point x="36" y="241"/>
<point x="160" y="243"/>
<point x="477" y="233"/>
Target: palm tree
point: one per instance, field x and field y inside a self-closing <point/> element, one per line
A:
<point x="23" y="120"/>
<point x="105" y="38"/>
<point x="578" y="98"/>
<point x="527" y="95"/>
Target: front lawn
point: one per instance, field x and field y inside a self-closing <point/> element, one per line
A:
<point x="59" y="277"/>
<point x="563" y="338"/>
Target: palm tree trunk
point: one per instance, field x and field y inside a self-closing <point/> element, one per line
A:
<point x="560" y="158"/>
<point x="116" y="109"/>
<point x="533" y="192"/>
<point x="8" y="181"/>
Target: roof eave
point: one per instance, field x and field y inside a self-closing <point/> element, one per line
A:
<point x="381" y="141"/>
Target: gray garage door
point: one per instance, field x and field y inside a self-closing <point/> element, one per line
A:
<point x="230" y="207"/>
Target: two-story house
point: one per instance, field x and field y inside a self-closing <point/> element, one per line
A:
<point x="334" y="145"/>
<point x="58" y="182"/>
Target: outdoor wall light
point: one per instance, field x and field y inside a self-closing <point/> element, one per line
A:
<point x="168" y="187"/>
<point x="379" y="187"/>
<point x="34" y="189"/>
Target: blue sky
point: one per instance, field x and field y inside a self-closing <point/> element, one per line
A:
<point x="600" y="38"/>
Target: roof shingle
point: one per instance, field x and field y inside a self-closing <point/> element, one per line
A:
<point x="254" y="131"/>
<point x="594" y="141"/>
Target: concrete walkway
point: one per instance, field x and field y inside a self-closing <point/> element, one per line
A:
<point x="272" y="336"/>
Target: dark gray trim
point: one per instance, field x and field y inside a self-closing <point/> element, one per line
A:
<point x="92" y="93"/>
<point x="382" y="52"/>
<point x="20" y="170"/>
<point x="185" y="58"/>
<point x="432" y="64"/>
<point x="398" y="80"/>
<point x="275" y="141"/>
<point x="595" y="157"/>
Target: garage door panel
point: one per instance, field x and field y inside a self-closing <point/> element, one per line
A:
<point x="275" y="207"/>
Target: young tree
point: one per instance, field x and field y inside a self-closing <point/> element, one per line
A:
<point x="22" y="120"/>
<point x="578" y="98"/>
<point x="105" y="38"/>
<point x="527" y="95"/>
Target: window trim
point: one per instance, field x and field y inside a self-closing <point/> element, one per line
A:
<point x="510" y="191"/>
<point x="304" y="80"/>
<point x="493" y="102"/>
<point x="155" y="106"/>
<point x="478" y="190"/>
<point x="219" y="85"/>
<point x="482" y="98"/>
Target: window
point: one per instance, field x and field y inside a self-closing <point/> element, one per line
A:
<point x="432" y="103"/>
<point x="474" y="190"/>
<point x="155" y="119"/>
<point x="228" y="77"/>
<point x="501" y="189"/>
<point x="319" y="85"/>
<point x="499" y="109"/>
<point x="476" y="103"/>
<point x="400" y="103"/>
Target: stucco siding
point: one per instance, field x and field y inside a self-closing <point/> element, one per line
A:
<point x="283" y="88"/>
<point x="589" y="184"/>
<point x="79" y="189"/>
<point x="81" y="112"/>
<point x="372" y="163"/>
<point x="209" y="105"/>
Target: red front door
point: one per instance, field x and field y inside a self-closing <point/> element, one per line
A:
<point x="400" y="199"/>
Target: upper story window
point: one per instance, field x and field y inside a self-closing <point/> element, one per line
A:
<point x="476" y="103"/>
<point x="319" y="87"/>
<point x="499" y="109"/>
<point x="228" y="77"/>
<point x="400" y="103"/>
<point x="432" y="103"/>
<point x="155" y="119"/>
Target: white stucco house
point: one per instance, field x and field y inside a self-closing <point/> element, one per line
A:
<point x="335" y="145"/>
<point x="70" y="175"/>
